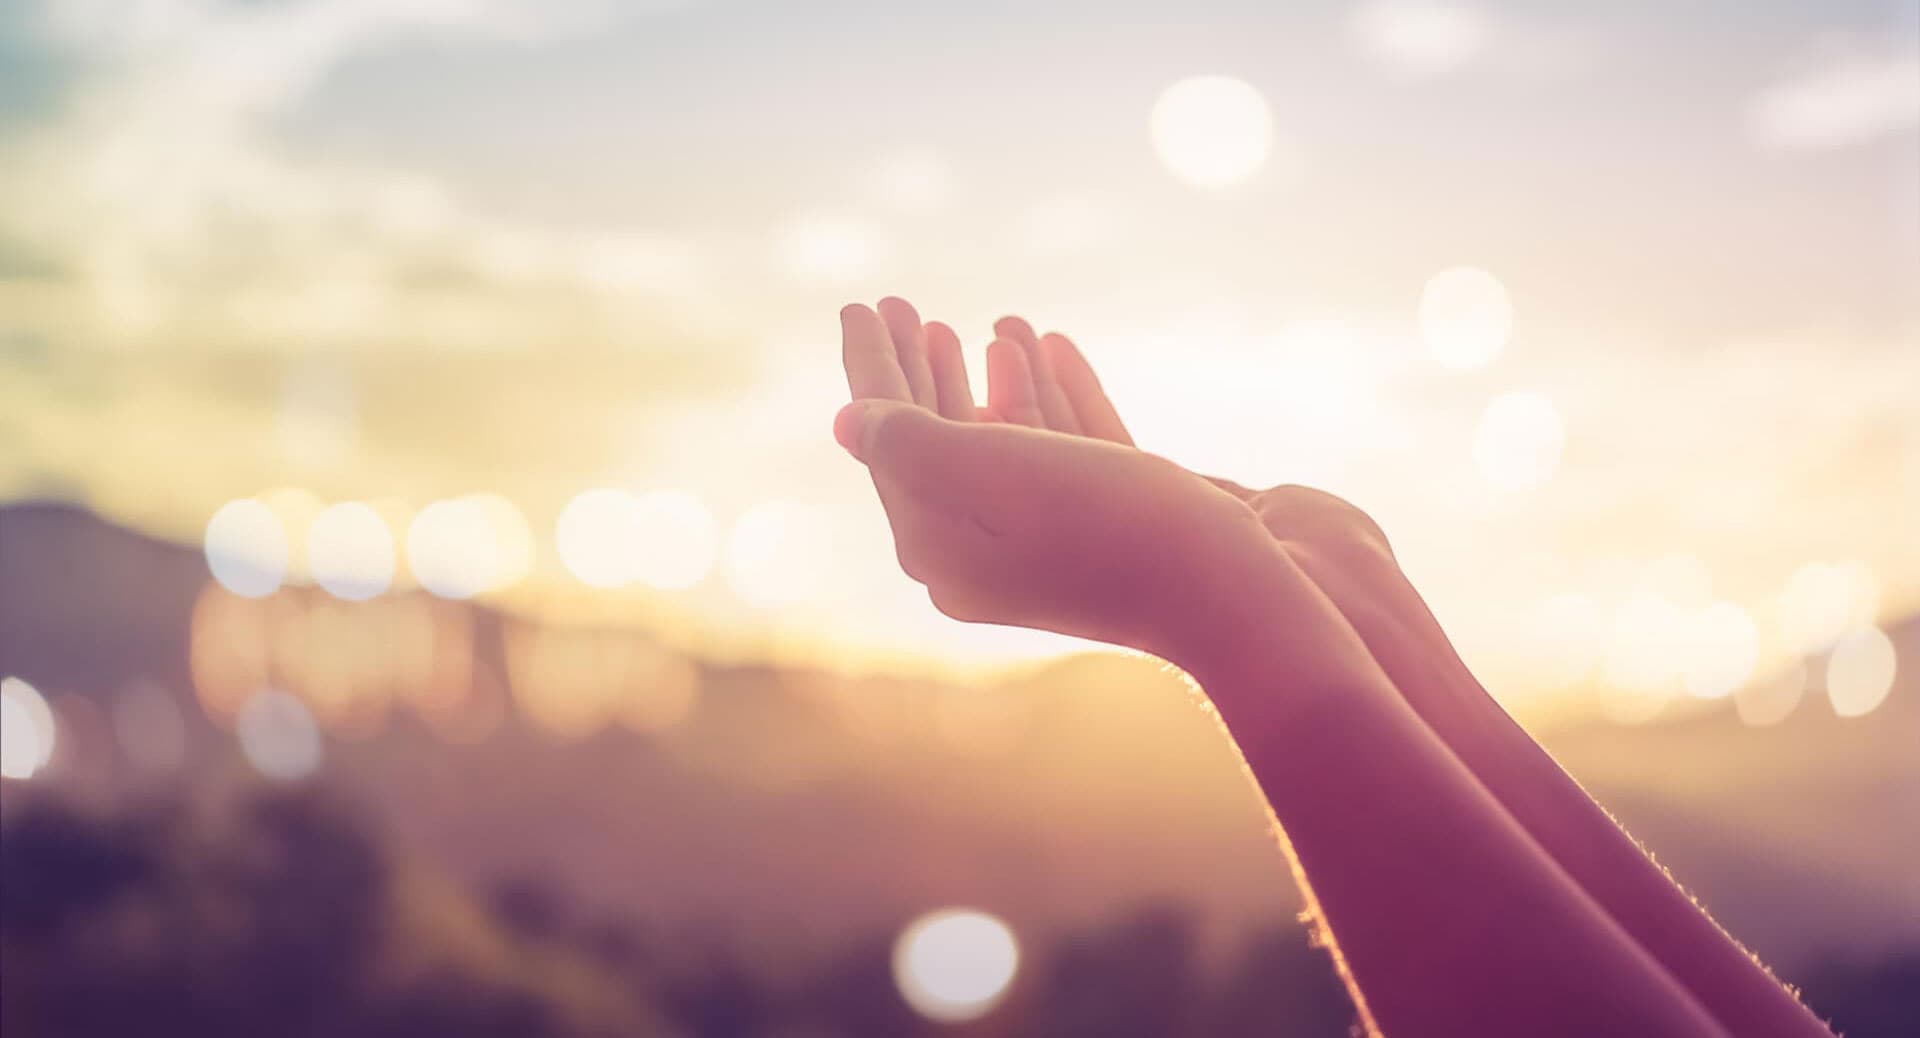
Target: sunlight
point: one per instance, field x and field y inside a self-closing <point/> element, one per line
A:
<point x="1212" y="131"/>
<point x="350" y="550"/>
<point x="1722" y="645"/>
<point x="278" y="735"/>
<point x="1466" y="317"/>
<point x="1643" y="656"/>
<point x="1518" y="442"/>
<point x="610" y="538"/>
<point x="1823" y="601"/>
<point x="246" y="548"/>
<point x="27" y="730"/>
<point x="1569" y="635"/>
<point x="1860" y="672"/>
<point x="955" y="964"/>
<point x="828" y="248"/>
<point x="677" y="540"/>
<point x="912" y="181"/>
<point x="779" y="554"/>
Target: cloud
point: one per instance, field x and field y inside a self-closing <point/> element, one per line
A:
<point x="174" y="215"/>
<point x="1844" y="100"/>
<point x="1419" y="39"/>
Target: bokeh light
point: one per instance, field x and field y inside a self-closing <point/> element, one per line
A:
<point x="246" y="548"/>
<point x="350" y="550"/>
<point x="1722" y="646"/>
<point x="27" y="729"/>
<point x="1518" y="442"/>
<point x="295" y="507"/>
<point x="466" y="546"/>
<point x="1823" y="601"/>
<point x="1860" y="672"/>
<point x="1466" y="317"/>
<point x="594" y="537"/>
<point x="278" y="735"/>
<point x="955" y="964"/>
<point x="1212" y="131"/>
<point x="611" y="538"/>
<point x="1771" y="700"/>
<point x="779" y="554"/>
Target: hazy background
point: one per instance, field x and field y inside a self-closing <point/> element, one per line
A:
<point x="415" y="413"/>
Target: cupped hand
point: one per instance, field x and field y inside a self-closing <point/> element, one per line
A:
<point x="1008" y="517"/>
<point x="1334" y="543"/>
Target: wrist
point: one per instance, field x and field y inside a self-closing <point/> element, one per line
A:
<point x="1271" y="635"/>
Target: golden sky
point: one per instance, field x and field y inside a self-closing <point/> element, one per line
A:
<point x="1611" y="317"/>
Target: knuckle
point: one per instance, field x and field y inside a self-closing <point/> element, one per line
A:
<point x="1335" y="526"/>
<point x="954" y="606"/>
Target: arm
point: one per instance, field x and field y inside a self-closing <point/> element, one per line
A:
<point x="1444" y="916"/>
<point x="1348" y="557"/>
<point x="1446" y="913"/>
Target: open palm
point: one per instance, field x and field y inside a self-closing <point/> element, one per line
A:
<point x="1031" y="512"/>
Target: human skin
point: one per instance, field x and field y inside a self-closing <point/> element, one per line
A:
<point x="1467" y="884"/>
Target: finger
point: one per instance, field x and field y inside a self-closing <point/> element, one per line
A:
<point x="1010" y="390"/>
<point x="949" y="367"/>
<point x="1228" y="485"/>
<point x="1076" y="379"/>
<point x="963" y="461"/>
<point x="910" y="345"/>
<point x="1055" y="412"/>
<point x="1016" y="329"/>
<point x="873" y="366"/>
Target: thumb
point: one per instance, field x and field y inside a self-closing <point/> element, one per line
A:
<point x="873" y="429"/>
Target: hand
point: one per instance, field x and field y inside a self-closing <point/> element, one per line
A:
<point x="1006" y="521"/>
<point x="1046" y="382"/>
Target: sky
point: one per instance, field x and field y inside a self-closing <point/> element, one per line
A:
<point x="1609" y="313"/>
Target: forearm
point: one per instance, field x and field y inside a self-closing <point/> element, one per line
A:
<point x="1448" y="918"/>
<point x="1582" y="838"/>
